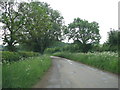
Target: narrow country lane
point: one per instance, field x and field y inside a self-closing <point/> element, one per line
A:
<point x="70" y="74"/>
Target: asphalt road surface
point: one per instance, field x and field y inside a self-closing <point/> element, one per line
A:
<point x="65" y="73"/>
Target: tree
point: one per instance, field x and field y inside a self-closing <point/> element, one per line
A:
<point x="42" y="25"/>
<point x="57" y="24"/>
<point x="33" y="24"/>
<point x="119" y="45"/>
<point x="12" y="21"/>
<point x="37" y="26"/>
<point x="113" y="37"/>
<point x="113" y="40"/>
<point x="56" y="31"/>
<point x="84" y="32"/>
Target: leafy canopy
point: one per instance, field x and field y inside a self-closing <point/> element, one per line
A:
<point x="85" y="32"/>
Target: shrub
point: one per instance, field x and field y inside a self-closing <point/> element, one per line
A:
<point x="52" y="50"/>
<point x="71" y="48"/>
<point x="25" y="54"/>
<point x="8" y="56"/>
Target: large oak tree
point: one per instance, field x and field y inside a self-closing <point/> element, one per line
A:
<point x="84" y="32"/>
<point x="43" y="25"/>
<point x="13" y="21"/>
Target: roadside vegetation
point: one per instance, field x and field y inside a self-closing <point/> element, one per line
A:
<point x="0" y="75"/>
<point x="33" y="29"/>
<point x="24" y="73"/>
<point x="8" y="56"/>
<point x="107" y="61"/>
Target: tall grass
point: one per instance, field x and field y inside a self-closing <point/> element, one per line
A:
<point x="0" y="75"/>
<point x="25" y="73"/>
<point x="107" y="61"/>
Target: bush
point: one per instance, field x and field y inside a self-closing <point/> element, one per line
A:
<point x="52" y="50"/>
<point x="71" y="48"/>
<point x="25" y="54"/>
<point x="8" y="56"/>
<point x="105" y="48"/>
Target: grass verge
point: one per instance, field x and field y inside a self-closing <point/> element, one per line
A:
<point x="107" y="61"/>
<point x="0" y="75"/>
<point x="24" y="74"/>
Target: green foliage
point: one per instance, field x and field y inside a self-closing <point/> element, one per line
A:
<point x="25" y="54"/>
<point x="0" y="75"/>
<point x="24" y="74"/>
<point x="1" y="47"/>
<point x="59" y="47"/>
<point x="107" y="61"/>
<point x="113" y="37"/>
<point x="105" y="47"/>
<point x="37" y="26"/>
<point x="100" y="48"/>
<point x="8" y="56"/>
<point x="34" y="22"/>
<point x="84" y="32"/>
<point x="13" y="22"/>
<point x="119" y="45"/>
<point x="23" y="47"/>
<point x="52" y="50"/>
<point x="58" y="44"/>
<point x="112" y="43"/>
<point x="57" y="24"/>
<point x="113" y="40"/>
<point x="71" y="48"/>
<point x="43" y="25"/>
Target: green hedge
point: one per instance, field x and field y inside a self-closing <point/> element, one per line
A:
<point x="8" y="56"/>
<point x="28" y="54"/>
<point x="52" y="50"/>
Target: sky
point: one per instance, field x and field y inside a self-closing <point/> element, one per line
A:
<point x="104" y="12"/>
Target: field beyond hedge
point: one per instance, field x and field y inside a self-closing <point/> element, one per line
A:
<point x="107" y="61"/>
<point x="24" y="73"/>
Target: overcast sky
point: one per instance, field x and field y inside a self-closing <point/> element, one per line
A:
<point x="105" y="12"/>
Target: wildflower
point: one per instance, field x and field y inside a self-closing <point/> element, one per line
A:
<point x="27" y="69"/>
<point x="28" y="73"/>
<point x="8" y="63"/>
